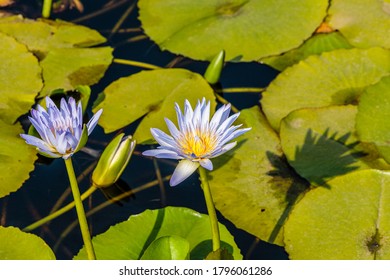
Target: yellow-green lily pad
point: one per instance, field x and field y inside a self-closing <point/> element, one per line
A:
<point x="365" y="23"/>
<point x="372" y="121"/>
<point x="20" y="79"/>
<point x="16" y="158"/>
<point x="246" y="29"/>
<point x="332" y="78"/>
<point x="131" y="239"/>
<point x="151" y="93"/>
<point x="18" y="245"/>
<point x="349" y="220"/>
<point x="252" y="185"/>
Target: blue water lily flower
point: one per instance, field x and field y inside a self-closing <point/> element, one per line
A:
<point x="197" y="139"/>
<point x="61" y="131"/>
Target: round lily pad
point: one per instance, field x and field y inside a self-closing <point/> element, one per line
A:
<point x="365" y="24"/>
<point x="167" y="248"/>
<point x="151" y="93"/>
<point x="320" y="143"/>
<point x="130" y="240"/>
<point x="332" y="78"/>
<point x="246" y="30"/>
<point x="16" y="158"/>
<point x="20" y="79"/>
<point x="18" y="245"/>
<point x="252" y="185"/>
<point x="317" y="44"/>
<point x="372" y="121"/>
<point x="349" y="220"/>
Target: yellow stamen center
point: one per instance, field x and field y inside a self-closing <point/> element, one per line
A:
<point x="197" y="145"/>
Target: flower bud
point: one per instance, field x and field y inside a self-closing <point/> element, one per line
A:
<point x="113" y="161"/>
<point x="213" y="71"/>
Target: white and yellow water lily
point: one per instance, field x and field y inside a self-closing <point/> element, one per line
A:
<point x="197" y="139"/>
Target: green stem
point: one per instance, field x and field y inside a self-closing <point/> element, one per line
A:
<point x="136" y="63"/>
<point x="210" y="208"/>
<point x="80" y="210"/>
<point x="224" y="101"/>
<point x="241" y="89"/>
<point x="59" y="212"/>
<point x="46" y="8"/>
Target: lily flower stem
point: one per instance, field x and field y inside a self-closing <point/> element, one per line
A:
<point x="59" y="212"/>
<point x="210" y="208"/>
<point x="80" y="210"/>
<point x="46" y="8"/>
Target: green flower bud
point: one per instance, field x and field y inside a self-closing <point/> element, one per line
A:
<point x="213" y="71"/>
<point x="113" y="161"/>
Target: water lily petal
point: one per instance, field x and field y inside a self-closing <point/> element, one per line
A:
<point x="183" y="170"/>
<point x="206" y="163"/>
<point x="162" y="153"/>
<point x="93" y="121"/>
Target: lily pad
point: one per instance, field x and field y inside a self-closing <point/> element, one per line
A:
<point x="349" y="220"/>
<point x="151" y="93"/>
<point x="42" y="35"/>
<point x="317" y="44"/>
<point x="244" y="29"/>
<point x="129" y="240"/>
<point x="18" y="245"/>
<point x="332" y="78"/>
<point x="252" y="185"/>
<point x="372" y="121"/>
<point x="366" y="24"/>
<point x="167" y="248"/>
<point x="16" y="158"/>
<point x="20" y="79"/>
<point x="320" y="143"/>
<point x="68" y="68"/>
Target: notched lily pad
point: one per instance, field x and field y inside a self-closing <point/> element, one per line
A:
<point x="372" y="121"/>
<point x="130" y="240"/>
<point x="252" y="185"/>
<point x="349" y="220"/>
<point x="16" y="158"/>
<point x="333" y="78"/>
<point x="245" y="29"/>
<point x="151" y="93"/>
<point x="18" y="245"/>
<point x="20" y="79"/>
<point x="366" y="24"/>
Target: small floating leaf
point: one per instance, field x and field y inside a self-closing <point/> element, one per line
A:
<point x="18" y="245"/>
<point x="349" y="220"/>
<point x="131" y="239"/>
<point x="333" y="78"/>
<point x="245" y="29"/>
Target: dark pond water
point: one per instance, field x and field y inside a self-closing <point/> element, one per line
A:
<point x="49" y="180"/>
